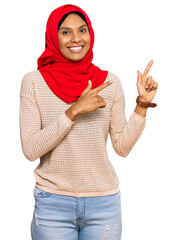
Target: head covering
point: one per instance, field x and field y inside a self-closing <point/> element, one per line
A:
<point x="66" y="78"/>
<point x="64" y="16"/>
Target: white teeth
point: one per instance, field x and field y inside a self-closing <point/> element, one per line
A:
<point x="75" y="47"/>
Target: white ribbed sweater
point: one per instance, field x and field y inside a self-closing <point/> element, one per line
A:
<point x="73" y="154"/>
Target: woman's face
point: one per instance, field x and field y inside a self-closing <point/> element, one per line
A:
<point x="74" y="32"/>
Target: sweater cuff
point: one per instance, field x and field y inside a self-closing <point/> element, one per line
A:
<point x="66" y="119"/>
<point x="138" y="117"/>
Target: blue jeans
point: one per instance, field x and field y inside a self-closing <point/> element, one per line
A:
<point x="61" y="217"/>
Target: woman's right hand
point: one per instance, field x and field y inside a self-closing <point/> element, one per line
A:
<point x="90" y="100"/>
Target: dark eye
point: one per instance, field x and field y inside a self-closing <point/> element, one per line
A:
<point x="65" y="32"/>
<point x="83" y="30"/>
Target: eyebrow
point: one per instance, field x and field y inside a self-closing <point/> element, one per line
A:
<point x="70" y="28"/>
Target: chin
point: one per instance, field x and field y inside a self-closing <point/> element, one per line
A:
<point x="76" y="58"/>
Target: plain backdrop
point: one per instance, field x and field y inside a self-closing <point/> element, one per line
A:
<point x="128" y="34"/>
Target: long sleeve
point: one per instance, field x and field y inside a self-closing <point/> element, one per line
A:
<point x="124" y="134"/>
<point x="35" y="141"/>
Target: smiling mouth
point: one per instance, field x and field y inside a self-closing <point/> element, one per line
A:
<point x="76" y="49"/>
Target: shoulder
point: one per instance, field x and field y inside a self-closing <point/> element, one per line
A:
<point x="27" y="84"/>
<point x="116" y="84"/>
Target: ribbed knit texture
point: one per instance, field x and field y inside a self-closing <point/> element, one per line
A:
<point x="73" y="154"/>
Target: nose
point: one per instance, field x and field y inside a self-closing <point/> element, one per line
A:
<point x="75" y="37"/>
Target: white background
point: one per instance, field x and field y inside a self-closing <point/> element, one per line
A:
<point x="128" y="34"/>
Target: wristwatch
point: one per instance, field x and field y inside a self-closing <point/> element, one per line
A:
<point x="144" y="104"/>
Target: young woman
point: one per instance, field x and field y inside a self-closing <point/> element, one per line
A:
<point x="65" y="120"/>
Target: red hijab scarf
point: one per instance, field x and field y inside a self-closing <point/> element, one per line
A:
<point x="66" y="78"/>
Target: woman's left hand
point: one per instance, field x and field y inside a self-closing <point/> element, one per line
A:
<point x="146" y="86"/>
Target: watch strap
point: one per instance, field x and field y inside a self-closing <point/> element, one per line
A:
<point x="144" y="104"/>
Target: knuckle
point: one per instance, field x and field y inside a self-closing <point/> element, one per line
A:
<point x="97" y="99"/>
<point x="149" y="80"/>
<point x="155" y="84"/>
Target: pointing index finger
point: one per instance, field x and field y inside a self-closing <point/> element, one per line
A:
<point x="147" y="68"/>
<point x="102" y="86"/>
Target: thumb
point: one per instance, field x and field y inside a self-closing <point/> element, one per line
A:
<point x="139" y="78"/>
<point x="89" y="86"/>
